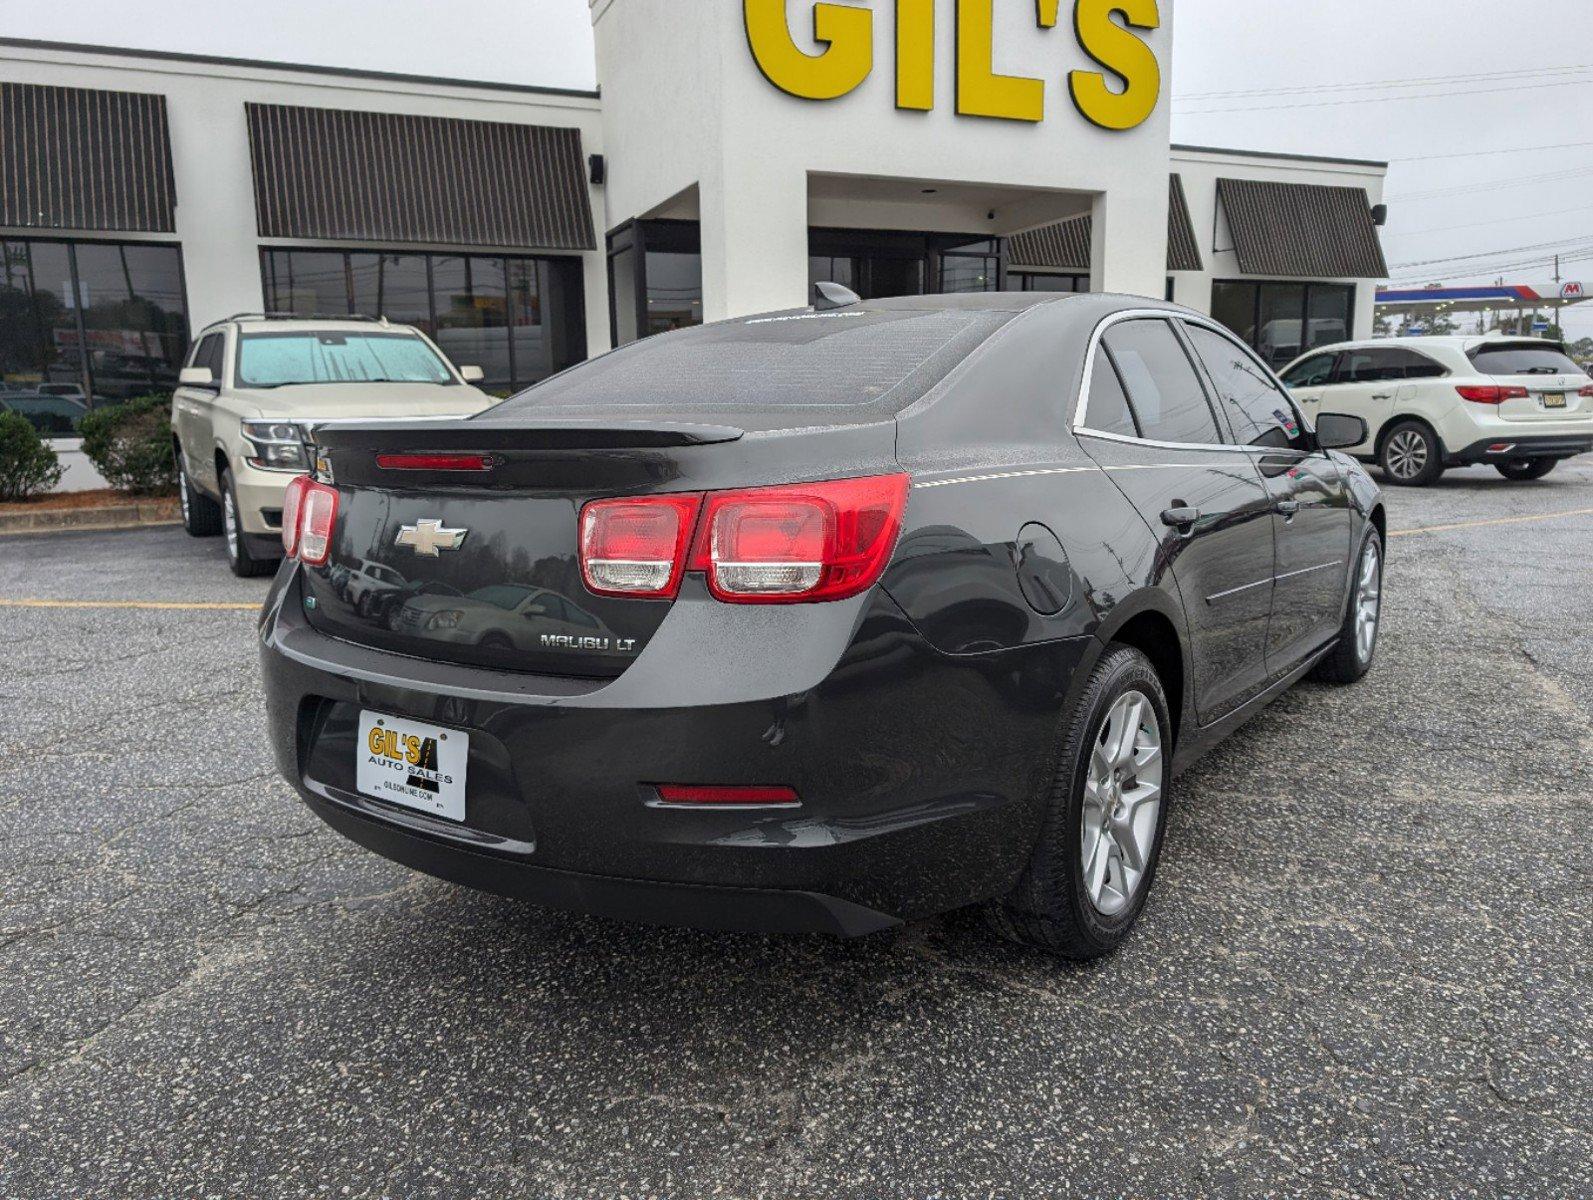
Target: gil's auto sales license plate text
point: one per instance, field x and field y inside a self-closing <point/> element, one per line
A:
<point x="410" y="763"/>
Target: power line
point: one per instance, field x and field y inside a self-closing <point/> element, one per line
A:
<point x="1466" y="189"/>
<point x="1323" y="88"/>
<point x="1578" y="242"/>
<point x="1581" y="208"/>
<point x="1485" y="153"/>
<point x="1496" y="268"/>
<point x="1528" y="87"/>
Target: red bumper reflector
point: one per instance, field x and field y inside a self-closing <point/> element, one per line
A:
<point x="682" y="793"/>
<point x="1501" y="447"/>
<point x="434" y="462"/>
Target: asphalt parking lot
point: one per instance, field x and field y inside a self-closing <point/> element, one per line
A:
<point x="1364" y="970"/>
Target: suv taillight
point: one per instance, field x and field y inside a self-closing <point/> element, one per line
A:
<point x="292" y="507"/>
<point x="1489" y="393"/>
<point x="315" y="515"/>
<point x="790" y="543"/>
<point x="1586" y="392"/>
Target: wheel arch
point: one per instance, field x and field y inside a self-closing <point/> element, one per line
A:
<point x="1152" y="623"/>
<point x="1398" y="419"/>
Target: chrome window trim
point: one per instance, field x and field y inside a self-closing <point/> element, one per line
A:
<point x="1081" y="402"/>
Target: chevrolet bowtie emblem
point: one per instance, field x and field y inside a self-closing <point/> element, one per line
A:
<point x="428" y="538"/>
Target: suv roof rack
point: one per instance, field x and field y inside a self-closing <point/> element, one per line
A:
<point x="291" y="316"/>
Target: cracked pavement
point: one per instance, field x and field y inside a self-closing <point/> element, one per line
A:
<point x="1364" y="970"/>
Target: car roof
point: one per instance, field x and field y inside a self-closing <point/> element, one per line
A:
<point x="1437" y="341"/>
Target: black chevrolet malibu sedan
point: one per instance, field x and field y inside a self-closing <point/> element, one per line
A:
<point x="825" y="619"/>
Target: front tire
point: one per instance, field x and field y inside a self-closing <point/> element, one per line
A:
<point x="1351" y="658"/>
<point x="1097" y="852"/>
<point x="244" y="565"/>
<point x="1523" y="469"/>
<point x="201" y="514"/>
<point x="1410" y="455"/>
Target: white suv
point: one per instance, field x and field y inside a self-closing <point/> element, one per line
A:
<point x="253" y="386"/>
<point x="1518" y="403"/>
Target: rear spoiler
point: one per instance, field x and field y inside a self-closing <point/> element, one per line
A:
<point x="477" y="435"/>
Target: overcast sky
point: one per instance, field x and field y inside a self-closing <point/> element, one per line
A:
<point x="1453" y="82"/>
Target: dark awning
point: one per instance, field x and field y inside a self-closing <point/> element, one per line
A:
<point x="1183" y="254"/>
<point x="1305" y="230"/>
<point x="1065" y="246"/>
<point x="77" y="158"/>
<point x="384" y="177"/>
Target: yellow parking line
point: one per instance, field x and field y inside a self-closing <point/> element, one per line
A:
<point x="175" y="605"/>
<point x="1574" y="512"/>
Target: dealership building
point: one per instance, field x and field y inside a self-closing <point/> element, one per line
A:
<point x="736" y="152"/>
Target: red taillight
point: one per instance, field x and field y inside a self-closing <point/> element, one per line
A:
<point x="318" y="514"/>
<point x="1489" y="393"/>
<point x="680" y="793"/>
<point x="637" y="546"/>
<point x="771" y="545"/>
<point x="434" y="462"/>
<point x="292" y="506"/>
<point x="1587" y="392"/>
<point x="799" y="542"/>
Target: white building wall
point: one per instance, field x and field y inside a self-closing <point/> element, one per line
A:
<point x="1201" y="169"/>
<point x="210" y="155"/>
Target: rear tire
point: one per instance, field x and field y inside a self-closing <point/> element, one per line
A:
<point x="1352" y="657"/>
<point x="244" y="565"/>
<point x="1082" y="890"/>
<point x="1410" y="455"/>
<point x="201" y="514"/>
<point x="1523" y="469"/>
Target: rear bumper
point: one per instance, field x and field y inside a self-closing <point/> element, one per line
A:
<point x="922" y="775"/>
<point x="1505" y="446"/>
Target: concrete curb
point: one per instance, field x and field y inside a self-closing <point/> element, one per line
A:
<point x="134" y="514"/>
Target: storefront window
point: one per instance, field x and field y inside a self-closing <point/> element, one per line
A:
<point x="1045" y="281"/>
<point x="484" y="310"/>
<point x="1282" y="320"/>
<point x="975" y="267"/>
<point x="674" y="290"/>
<point x="90" y="320"/>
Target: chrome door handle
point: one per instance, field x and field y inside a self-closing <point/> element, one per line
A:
<point x="1180" y="517"/>
<point x="1288" y="508"/>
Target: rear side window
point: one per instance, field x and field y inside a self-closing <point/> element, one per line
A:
<point x="1259" y="411"/>
<point x="1523" y="358"/>
<point x="1163" y="388"/>
<point x="1316" y="371"/>
<point x="1107" y="410"/>
<point x="1382" y="363"/>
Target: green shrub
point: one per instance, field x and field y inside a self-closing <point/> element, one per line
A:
<point x="27" y="465"/>
<point x="130" y="444"/>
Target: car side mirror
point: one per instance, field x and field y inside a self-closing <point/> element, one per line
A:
<point x="472" y="374"/>
<point x="1338" y="431"/>
<point x="196" y="377"/>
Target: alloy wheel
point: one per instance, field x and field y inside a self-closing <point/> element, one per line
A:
<point x="1122" y="803"/>
<point x="1368" y="601"/>
<point x="1406" y="456"/>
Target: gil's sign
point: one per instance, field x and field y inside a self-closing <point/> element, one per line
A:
<point x="1105" y="29"/>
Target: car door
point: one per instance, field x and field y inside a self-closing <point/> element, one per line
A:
<point x="1148" y="421"/>
<point x="1312" y="522"/>
<point x="1369" y="385"/>
<point x="191" y="408"/>
<point x="1309" y="379"/>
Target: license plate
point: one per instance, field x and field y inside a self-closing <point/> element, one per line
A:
<point x="1553" y="399"/>
<point x="410" y="763"/>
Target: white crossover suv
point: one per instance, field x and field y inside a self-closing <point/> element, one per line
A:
<point x="1429" y="403"/>
<point x="253" y="386"/>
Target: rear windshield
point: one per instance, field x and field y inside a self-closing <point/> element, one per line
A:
<point x="280" y="359"/>
<point x="880" y="360"/>
<point x="1523" y="358"/>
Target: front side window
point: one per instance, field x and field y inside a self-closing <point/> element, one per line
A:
<point x="1316" y="371"/>
<point x="1258" y="410"/>
<point x="283" y="359"/>
<point x="1162" y="386"/>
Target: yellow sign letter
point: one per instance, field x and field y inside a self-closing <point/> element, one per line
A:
<point x="848" y="36"/>
<point x="980" y="91"/>
<point x="915" y="54"/>
<point x="1121" y="52"/>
